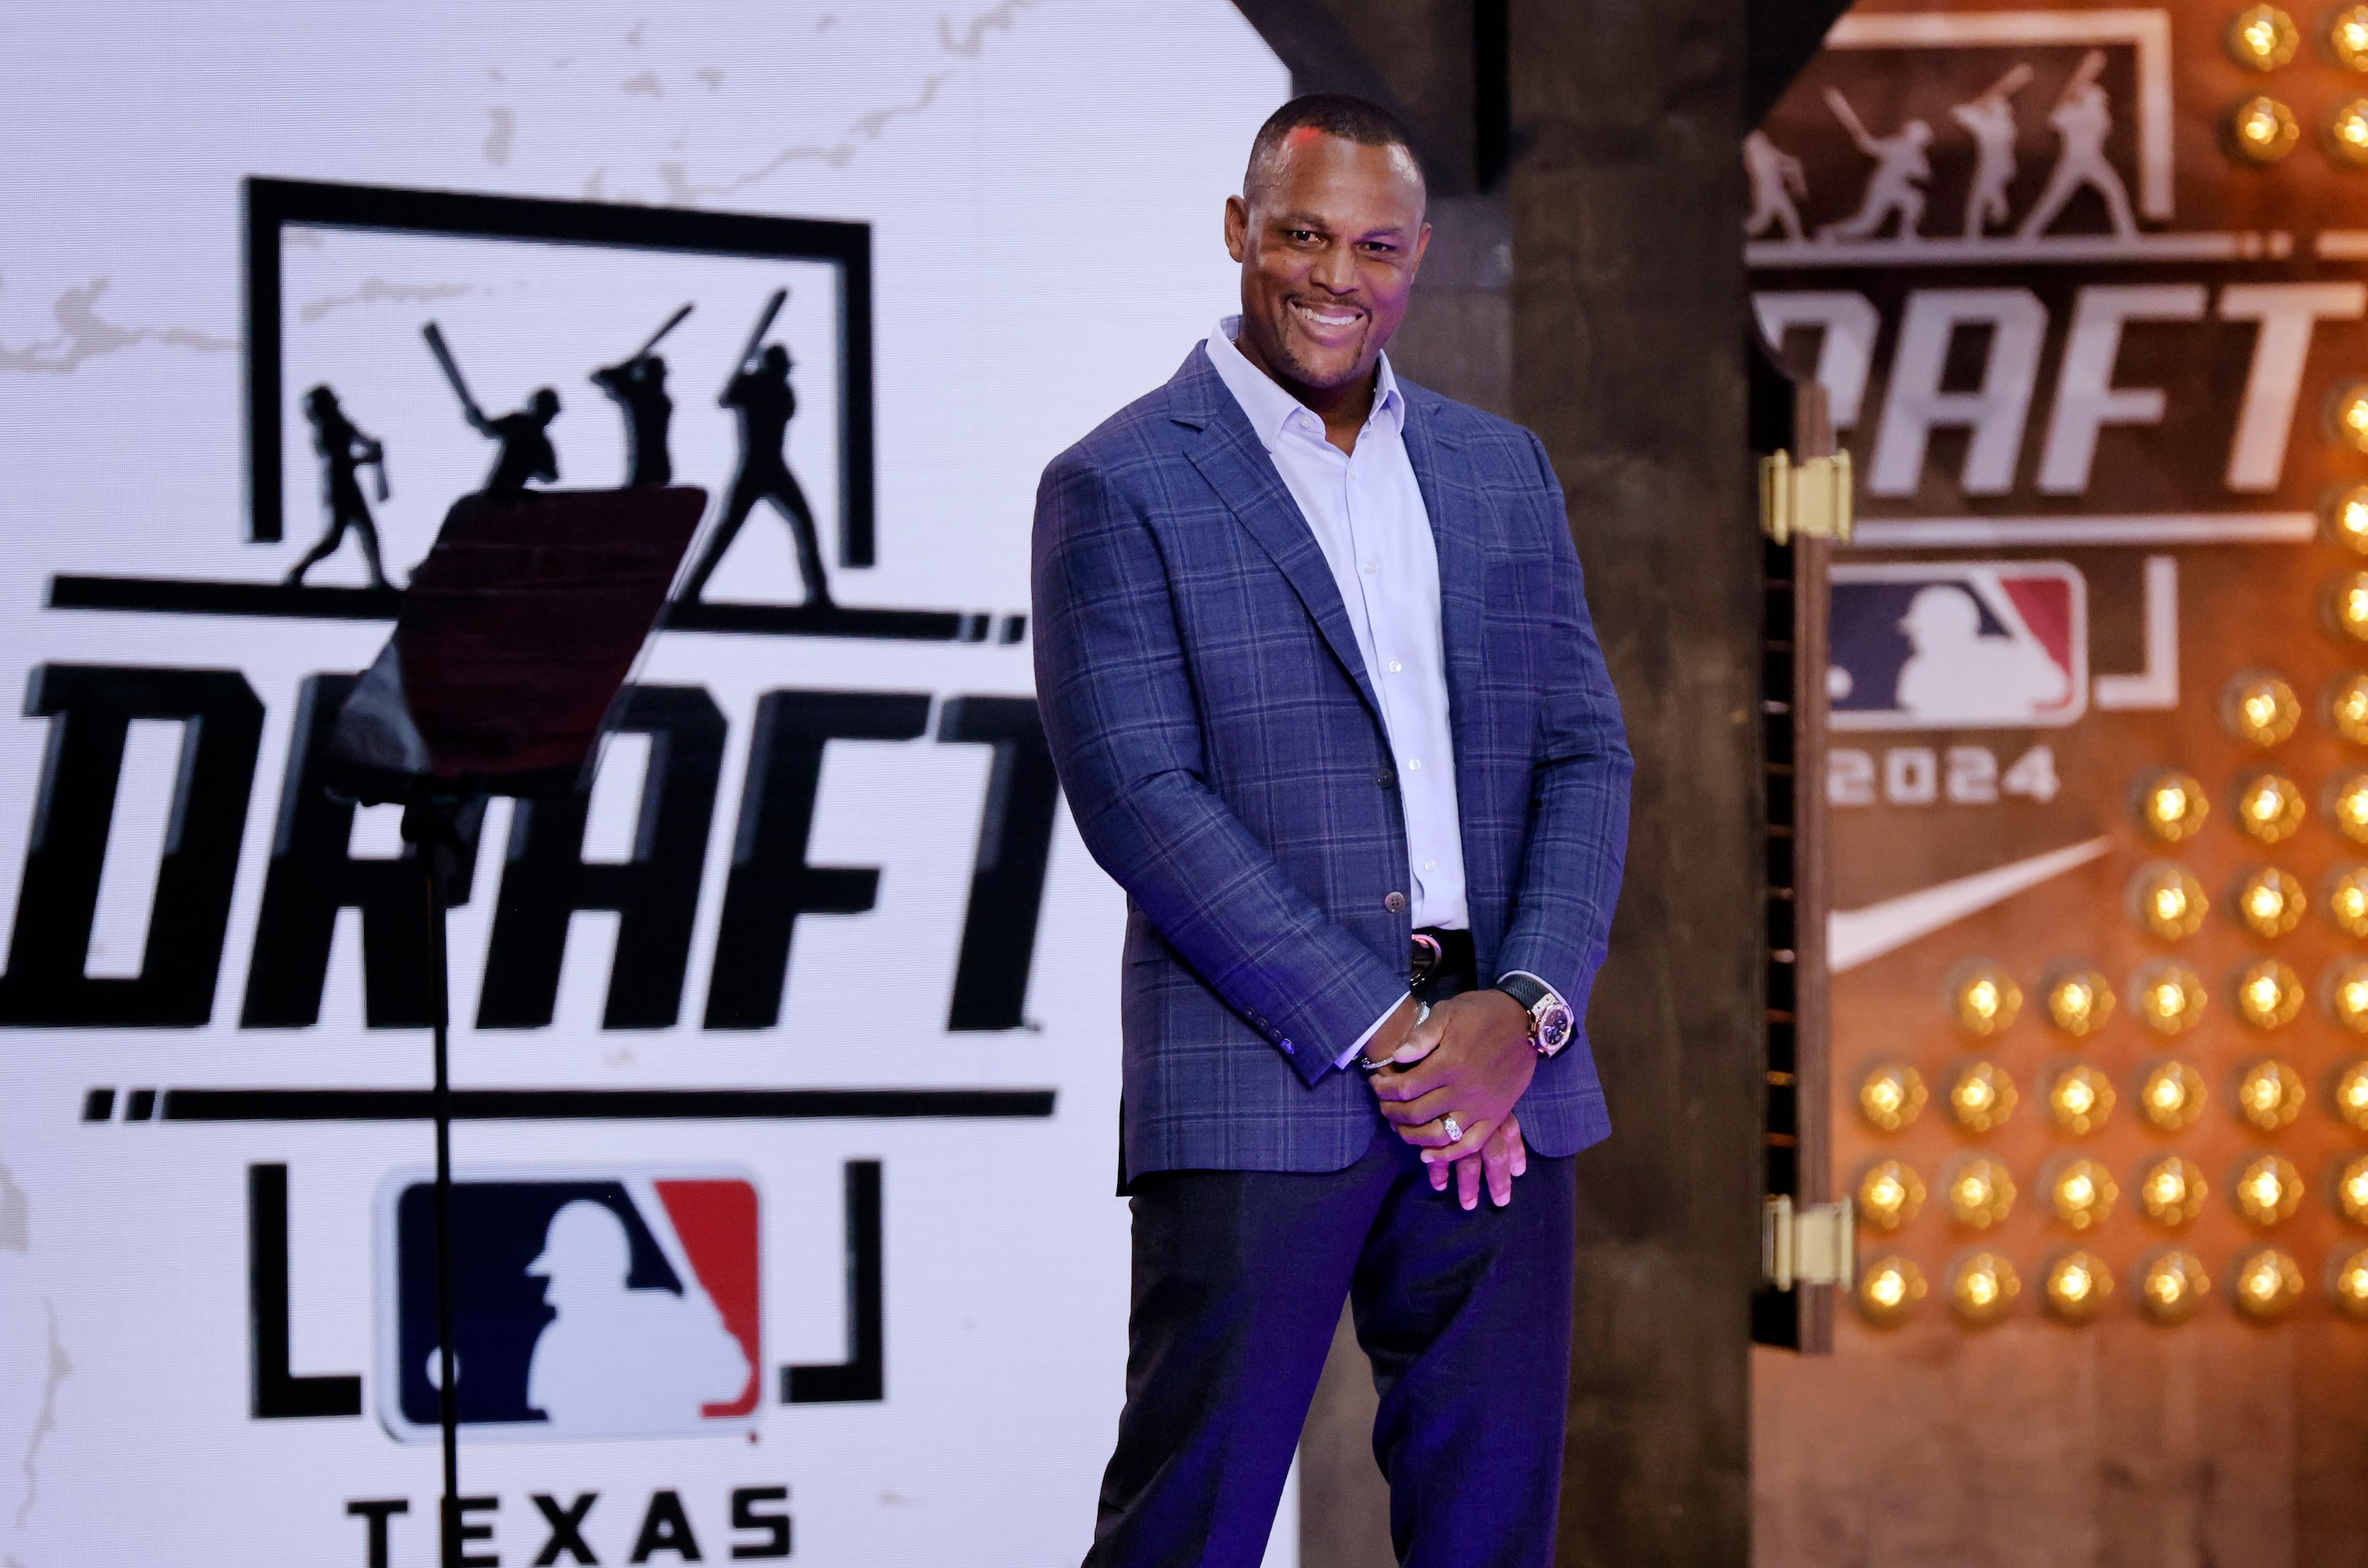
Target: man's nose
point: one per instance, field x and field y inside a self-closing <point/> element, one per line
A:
<point x="1334" y="271"/>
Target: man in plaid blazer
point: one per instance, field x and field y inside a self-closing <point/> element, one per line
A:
<point x="1315" y="657"/>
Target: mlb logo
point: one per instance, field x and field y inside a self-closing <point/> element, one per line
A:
<point x="605" y="1303"/>
<point x="1958" y="645"/>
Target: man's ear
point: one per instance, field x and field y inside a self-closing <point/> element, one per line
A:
<point x="1237" y="227"/>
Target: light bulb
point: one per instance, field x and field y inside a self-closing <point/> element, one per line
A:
<point x="2347" y="596"/>
<point x="2168" y="997"/>
<point x="1889" y="1194"/>
<point x="2351" y="1095"/>
<point x="2077" y="1284"/>
<point x="2082" y="1193"/>
<point x="2348" y="806"/>
<point x="2260" y="707"/>
<point x="2347" y="1284"/>
<point x="2268" y="1189"/>
<point x="2170" y="805"/>
<point x="2270" y="1095"/>
<point x="2345" y="512"/>
<point x="1888" y="1289"/>
<point x="2268" y="902"/>
<point x="2172" y="1095"/>
<point x="1982" y="1288"/>
<point x="2079" y="1098"/>
<point x="2347" y="900"/>
<point x="2268" y="994"/>
<point x="2171" y="1285"/>
<point x="1979" y="1191"/>
<point x="2352" y="1190"/>
<point x="2270" y="807"/>
<point x="2168" y="900"/>
<point x="2347" y="133"/>
<point x="2079" y="1000"/>
<point x="2260" y="130"/>
<point x="1983" y="998"/>
<point x="1890" y="1094"/>
<point x="2268" y="1284"/>
<point x="2263" y="38"/>
<point x="2346" y="988"/>
<point x="1981" y="1096"/>
<point x="2171" y="1191"/>
<point x="2346" y="37"/>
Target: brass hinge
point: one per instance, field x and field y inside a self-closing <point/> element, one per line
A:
<point x="1811" y="497"/>
<point x="1813" y="1245"/>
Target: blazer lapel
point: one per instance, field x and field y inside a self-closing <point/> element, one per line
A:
<point x="1230" y="459"/>
<point x="1446" y="498"/>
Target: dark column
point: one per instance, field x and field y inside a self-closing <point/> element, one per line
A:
<point x="1626" y="199"/>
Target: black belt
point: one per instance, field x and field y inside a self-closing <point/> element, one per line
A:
<point x="1440" y="955"/>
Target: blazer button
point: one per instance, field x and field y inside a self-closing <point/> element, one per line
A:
<point x="1394" y="904"/>
<point x="1289" y="1050"/>
<point x="1387" y="779"/>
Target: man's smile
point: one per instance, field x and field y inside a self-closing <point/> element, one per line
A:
<point x="1333" y="325"/>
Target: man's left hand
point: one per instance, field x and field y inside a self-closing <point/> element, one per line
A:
<point x="1471" y="1059"/>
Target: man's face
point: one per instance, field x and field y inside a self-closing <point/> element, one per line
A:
<point x="1329" y="240"/>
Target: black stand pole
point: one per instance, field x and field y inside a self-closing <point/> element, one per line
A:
<point x="431" y="823"/>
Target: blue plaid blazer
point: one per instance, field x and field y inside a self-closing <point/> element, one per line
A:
<point x="1225" y="759"/>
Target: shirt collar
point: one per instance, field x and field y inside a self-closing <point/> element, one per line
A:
<point x="1270" y="408"/>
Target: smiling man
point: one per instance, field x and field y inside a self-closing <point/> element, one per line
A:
<point x="1314" y="659"/>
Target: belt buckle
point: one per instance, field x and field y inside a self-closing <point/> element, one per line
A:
<point x="1424" y="960"/>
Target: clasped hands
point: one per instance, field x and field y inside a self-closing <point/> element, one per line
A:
<point x="1469" y="1057"/>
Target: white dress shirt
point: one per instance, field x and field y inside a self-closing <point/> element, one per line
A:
<point x="1367" y="516"/>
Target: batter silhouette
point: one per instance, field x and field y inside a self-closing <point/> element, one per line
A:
<point x="1989" y="120"/>
<point x="345" y="451"/>
<point x="761" y="395"/>
<point x="1896" y="185"/>
<point x="526" y="452"/>
<point x="1958" y="676"/>
<point x="616" y="1360"/>
<point x="1776" y="178"/>
<point x="638" y="385"/>
<point x="2083" y="119"/>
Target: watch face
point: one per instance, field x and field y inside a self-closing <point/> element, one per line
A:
<point x="1554" y="1028"/>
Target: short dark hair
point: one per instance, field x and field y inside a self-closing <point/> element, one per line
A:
<point x="1344" y="115"/>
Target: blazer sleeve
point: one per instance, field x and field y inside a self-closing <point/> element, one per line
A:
<point x="1117" y="705"/>
<point x="1570" y="877"/>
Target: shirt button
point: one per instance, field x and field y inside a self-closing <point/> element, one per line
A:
<point x="1394" y="902"/>
<point x="1430" y="865"/>
<point x="1387" y="780"/>
<point x="1414" y="764"/>
<point x="1371" y="567"/>
<point x="1395" y="666"/>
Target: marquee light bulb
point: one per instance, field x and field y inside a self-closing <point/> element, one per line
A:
<point x="2268" y="902"/>
<point x="2079" y="1098"/>
<point x="2171" y="1191"/>
<point x="2171" y="1285"/>
<point x="1984" y="999"/>
<point x="2262" y="130"/>
<point x="2168" y="900"/>
<point x="2270" y="807"/>
<point x="2078" y="1285"/>
<point x="2171" y="805"/>
<point x="2263" y="38"/>
<point x="2347" y="596"/>
<point x="1979" y="1191"/>
<point x="1889" y="1194"/>
<point x="1982" y="1288"/>
<point x="1888" y="1291"/>
<point x="1981" y="1096"/>
<point x="2348" y="806"/>
<point x="2079" y="1002"/>
<point x="2345" y="512"/>
<point x="2347" y="900"/>
<point x="2351" y="1095"/>
<point x="2352" y="1190"/>
<point x="2346" y="986"/>
<point x="2347" y="133"/>
<point x="2268" y="994"/>
<point x="2260" y="707"/>
<point x="2268" y="1283"/>
<point x="2172" y="1095"/>
<point x="2169" y="996"/>
<point x="2082" y="1193"/>
<point x="2348" y="1285"/>
<point x="2346" y="37"/>
<point x="2270" y="1095"/>
<point x="1890" y="1094"/>
<point x="2268" y="1190"/>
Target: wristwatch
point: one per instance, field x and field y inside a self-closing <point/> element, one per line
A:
<point x="1551" y="1023"/>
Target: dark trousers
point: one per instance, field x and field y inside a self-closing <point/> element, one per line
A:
<point x="1237" y="1283"/>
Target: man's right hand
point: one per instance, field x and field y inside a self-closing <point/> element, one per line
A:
<point x="1501" y="1158"/>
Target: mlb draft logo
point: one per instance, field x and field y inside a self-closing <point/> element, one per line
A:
<point x="585" y="1304"/>
<point x="1959" y="644"/>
